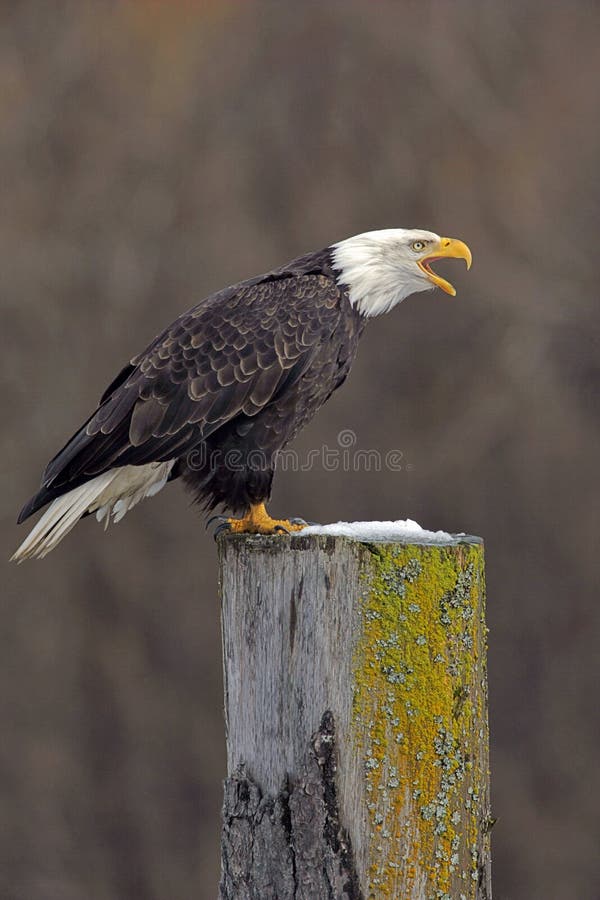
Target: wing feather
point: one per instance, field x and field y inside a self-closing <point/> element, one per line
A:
<point x="146" y="419"/>
<point x="230" y="354"/>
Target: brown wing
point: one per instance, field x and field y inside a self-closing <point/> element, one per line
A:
<point x="232" y="353"/>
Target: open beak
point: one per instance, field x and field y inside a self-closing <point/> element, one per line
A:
<point x="448" y="248"/>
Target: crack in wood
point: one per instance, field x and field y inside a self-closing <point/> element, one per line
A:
<point x="292" y="846"/>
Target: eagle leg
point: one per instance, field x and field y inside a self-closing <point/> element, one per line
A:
<point x="258" y="521"/>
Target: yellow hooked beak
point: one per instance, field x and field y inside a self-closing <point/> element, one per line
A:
<point x="448" y="248"/>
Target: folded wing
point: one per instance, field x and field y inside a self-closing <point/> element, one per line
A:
<point x="228" y="356"/>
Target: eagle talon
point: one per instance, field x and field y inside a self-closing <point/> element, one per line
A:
<point x="224" y="526"/>
<point x="218" y="518"/>
<point x="279" y="528"/>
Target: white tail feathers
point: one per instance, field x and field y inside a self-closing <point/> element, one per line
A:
<point x="111" y="494"/>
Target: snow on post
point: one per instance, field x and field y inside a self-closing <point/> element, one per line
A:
<point x="356" y="715"/>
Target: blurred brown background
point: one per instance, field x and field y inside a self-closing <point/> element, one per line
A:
<point x="153" y="152"/>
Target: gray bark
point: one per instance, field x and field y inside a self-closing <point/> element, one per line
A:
<point x="291" y="845"/>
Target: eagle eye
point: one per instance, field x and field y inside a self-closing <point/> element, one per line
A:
<point x="417" y="246"/>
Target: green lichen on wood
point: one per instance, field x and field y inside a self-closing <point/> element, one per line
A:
<point x="420" y="719"/>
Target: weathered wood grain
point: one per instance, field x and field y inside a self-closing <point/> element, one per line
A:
<point x="356" y="717"/>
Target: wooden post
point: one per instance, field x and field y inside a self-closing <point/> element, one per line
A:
<point x="356" y="717"/>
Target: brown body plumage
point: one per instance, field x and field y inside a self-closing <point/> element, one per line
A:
<point x="220" y="391"/>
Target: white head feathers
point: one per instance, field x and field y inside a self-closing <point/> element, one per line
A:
<point x="380" y="267"/>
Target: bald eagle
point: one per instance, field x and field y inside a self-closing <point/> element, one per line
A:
<point x="222" y="390"/>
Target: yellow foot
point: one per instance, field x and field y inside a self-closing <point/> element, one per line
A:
<point x="258" y="521"/>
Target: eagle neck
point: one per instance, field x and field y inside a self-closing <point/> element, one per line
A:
<point x="372" y="288"/>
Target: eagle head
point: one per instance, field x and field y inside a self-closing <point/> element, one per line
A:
<point x="381" y="268"/>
